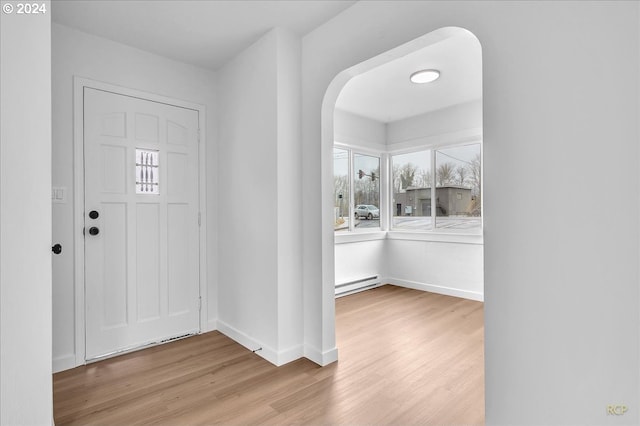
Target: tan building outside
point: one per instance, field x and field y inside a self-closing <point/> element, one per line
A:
<point x="451" y="200"/>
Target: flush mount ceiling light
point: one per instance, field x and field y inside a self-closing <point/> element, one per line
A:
<point x="424" y="76"/>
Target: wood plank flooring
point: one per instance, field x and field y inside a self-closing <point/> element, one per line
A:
<point x="406" y="358"/>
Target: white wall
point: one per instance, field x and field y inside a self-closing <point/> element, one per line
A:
<point x="447" y="124"/>
<point x="359" y="259"/>
<point x="248" y="180"/>
<point x="447" y="264"/>
<point x="75" y="53"/>
<point x="561" y="287"/>
<point x="453" y="268"/>
<point x="289" y="152"/>
<point x="359" y="131"/>
<point x="259" y="169"/>
<point x="25" y="225"/>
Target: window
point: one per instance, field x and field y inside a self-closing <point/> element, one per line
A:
<point x="437" y="189"/>
<point x="411" y="192"/>
<point x="358" y="209"/>
<point x="429" y="190"/>
<point x="366" y="191"/>
<point x="458" y="188"/>
<point x="341" y="186"/>
<point x="147" y="172"/>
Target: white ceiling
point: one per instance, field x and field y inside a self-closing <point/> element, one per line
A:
<point x="385" y="93"/>
<point x="205" y="33"/>
<point x="208" y="33"/>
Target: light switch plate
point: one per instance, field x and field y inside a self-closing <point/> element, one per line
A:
<point x="58" y="194"/>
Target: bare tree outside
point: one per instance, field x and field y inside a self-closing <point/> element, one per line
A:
<point x="423" y="180"/>
<point x="445" y="174"/>
<point x="461" y="175"/>
<point x="412" y="177"/>
<point x="458" y="171"/>
<point x="454" y="186"/>
<point x="408" y="172"/>
<point x="395" y="171"/>
<point x="455" y="183"/>
<point x="475" y="179"/>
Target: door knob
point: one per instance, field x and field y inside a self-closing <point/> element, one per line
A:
<point x="94" y="214"/>
<point x="94" y="230"/>
<point x="57" y="248"/>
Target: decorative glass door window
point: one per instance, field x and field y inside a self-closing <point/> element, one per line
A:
<point x="147" y="172"/>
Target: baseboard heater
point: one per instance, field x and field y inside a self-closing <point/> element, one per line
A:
<point x="354" y="286"/>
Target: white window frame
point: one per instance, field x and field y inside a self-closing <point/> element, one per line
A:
<point x="432" y="154"/>
<point x="437" y="234"/>
<point x="433" y="144"/>
<point x="352" y="150"/>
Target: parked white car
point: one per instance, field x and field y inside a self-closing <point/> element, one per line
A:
<point x="367" y="211"/>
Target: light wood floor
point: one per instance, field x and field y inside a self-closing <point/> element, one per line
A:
<point x="406" y="357"/>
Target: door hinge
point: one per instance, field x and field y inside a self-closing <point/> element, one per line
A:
<point x="199" y="303"/>
<point x="198" y="135"/>
<point x="199" y="219"/>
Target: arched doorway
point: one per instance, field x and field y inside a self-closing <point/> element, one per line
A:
<point x="442" y="206"/>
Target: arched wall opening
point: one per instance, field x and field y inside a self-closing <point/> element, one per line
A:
<point x="466" y="134"/>
<point x="537" y="114"/>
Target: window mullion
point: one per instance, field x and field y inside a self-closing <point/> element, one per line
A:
<point x="434" y="201"/>
<point x="352" y="183"/>
<point x="385" y="196"/>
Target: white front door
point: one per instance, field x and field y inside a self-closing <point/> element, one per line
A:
<point x="141" y="222"/>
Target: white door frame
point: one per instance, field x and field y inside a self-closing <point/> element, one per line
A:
<point x="79" y="83"/>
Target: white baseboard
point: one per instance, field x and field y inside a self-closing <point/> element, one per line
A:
<point x="210" y="325"/>
<point x="288" y="355"/>
<point x="448" y="291"/>
<point x="321" y="358"/>
<point x="274" y="357"/>
<point x="65" y="362"/>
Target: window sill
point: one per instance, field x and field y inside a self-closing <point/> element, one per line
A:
<point x="439" y="237"/>
<point x="356" y="237"/>
<point x="436" y="237"/>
